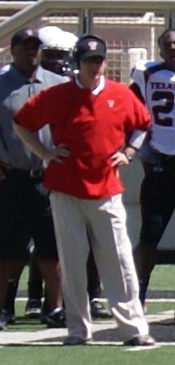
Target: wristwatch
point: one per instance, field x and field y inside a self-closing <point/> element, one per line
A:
<point x="128" y="156"/>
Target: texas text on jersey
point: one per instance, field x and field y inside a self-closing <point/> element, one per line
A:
<point x="154" y="84"/>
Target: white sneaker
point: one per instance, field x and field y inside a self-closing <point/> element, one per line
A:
<point x="146" y="340"/>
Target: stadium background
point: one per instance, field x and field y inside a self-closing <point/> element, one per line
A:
<point x="130" y="29"/>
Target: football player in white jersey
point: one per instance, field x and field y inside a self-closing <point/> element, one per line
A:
<point x="154" y="84"/>
<point x="57" y="45"/>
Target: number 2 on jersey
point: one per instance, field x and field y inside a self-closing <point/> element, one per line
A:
<point x="168" y="98"/>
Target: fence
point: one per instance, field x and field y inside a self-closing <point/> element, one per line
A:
<point x="130" y="29"/>
<point x="130" y="35"/>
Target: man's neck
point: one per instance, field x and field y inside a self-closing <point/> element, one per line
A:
<point x="29" y="74"/>
<point x="88" y="83"/>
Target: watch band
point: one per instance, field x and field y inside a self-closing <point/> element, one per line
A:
<point x="128" y="156"/>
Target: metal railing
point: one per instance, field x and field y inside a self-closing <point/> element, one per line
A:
<point x="129" y="35"/>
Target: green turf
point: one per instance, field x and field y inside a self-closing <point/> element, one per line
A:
<point x="24" y="278"/>
<point x="159" y="307"/>
<point x="23" y="324"/>
<point x="86" y="355"/>
<point x="163" y="278"/>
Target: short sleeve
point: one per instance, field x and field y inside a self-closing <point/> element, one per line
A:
<point x="33" y="115"/>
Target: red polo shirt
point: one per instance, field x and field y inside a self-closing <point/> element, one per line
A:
<point x="93" y="127"/>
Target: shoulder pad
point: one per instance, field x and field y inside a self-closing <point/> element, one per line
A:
<point x="137" y="71"/>
<point x="143" y="65"/>
<point x="4" y="69"/>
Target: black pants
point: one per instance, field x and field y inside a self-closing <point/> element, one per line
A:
<point x="24" y="214"/>
<point x="157" y="198"/>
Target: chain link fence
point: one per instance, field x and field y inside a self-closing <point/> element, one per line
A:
<point x="129" y="36"/>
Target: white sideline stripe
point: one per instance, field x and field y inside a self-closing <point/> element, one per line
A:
<point x="157" y="345"/>
<point x="159" y="300"/>
<point x="54" y="337"/>
<point x="94" y="343"/>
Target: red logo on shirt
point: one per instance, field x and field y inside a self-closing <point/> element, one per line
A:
<point x="110" y="103"/>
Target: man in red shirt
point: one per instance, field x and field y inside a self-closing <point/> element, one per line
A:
<point x="57" y="46"/>
<point x="89" y="118"/>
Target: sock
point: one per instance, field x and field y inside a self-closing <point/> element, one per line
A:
<point x="143" y="285"/>
<point x="10" y="296"/>
<point x="56" y="310"/>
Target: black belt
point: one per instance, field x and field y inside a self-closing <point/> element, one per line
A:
<point x="33" y="174"/>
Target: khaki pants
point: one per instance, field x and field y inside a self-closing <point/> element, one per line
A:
<point x="106" y="220"/>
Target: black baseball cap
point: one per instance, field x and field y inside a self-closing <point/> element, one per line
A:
<point x="23" y="35"/>
<point x="90" y="46"/>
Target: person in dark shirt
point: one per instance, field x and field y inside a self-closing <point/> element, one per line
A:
<point x="24" y="203"/>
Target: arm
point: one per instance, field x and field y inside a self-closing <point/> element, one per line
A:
<point x="124" y="157"/>
<point x="138" y="117"/>
<point x="34" y="144"/>
<point x="136" y="90"/>
<point x="137" y="138"/>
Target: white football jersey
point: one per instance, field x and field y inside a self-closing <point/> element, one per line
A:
<point x="157" y="87"/>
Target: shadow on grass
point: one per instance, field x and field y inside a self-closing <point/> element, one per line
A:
<point x="161" y="330"/>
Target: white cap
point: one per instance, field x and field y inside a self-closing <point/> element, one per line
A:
<point x="54" y="37"/>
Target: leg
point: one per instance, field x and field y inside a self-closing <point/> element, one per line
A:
<point x="51" y="312"/>
<point x="34" y="306"/>
<point x="113" y="255"/>
<point x="8" y="269"/>
<point x="12" y="287"/>
<point x="8" y="287"/>
<point x="94" y="288"/>
<point x="73" y="248"/>
<point x="35" y="287"/>
<point x="98" y="309"/>
<point x="13" y="238"/>
<point x="47" y="261"/>
<point x="9" y="303"/>
<point x="157" y="205"/>
<point x="51" y="275"/>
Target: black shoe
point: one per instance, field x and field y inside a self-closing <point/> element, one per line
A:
<point x="140" y="341"/>
<point x="33" y="309"/>
<point x="98" y="310"/>
<point x="56" y="319"/>
<point x="9" y="313"/>
<point x="3" y="321"/>
<point x="73" y="341"/>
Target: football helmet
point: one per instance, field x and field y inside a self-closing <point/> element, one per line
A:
<point x="56" y="47"/>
